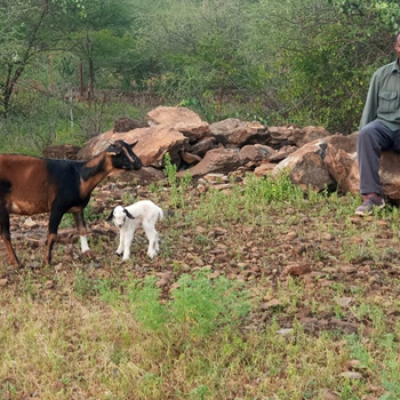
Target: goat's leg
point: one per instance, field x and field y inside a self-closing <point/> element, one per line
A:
<point x="5" y="235"/>
<point x="54" y="221"/>
<point x="120" y="249"/>
<point x="152" y="236"/>
<point x="81" y="226"/>
<point x="128" y="237"/>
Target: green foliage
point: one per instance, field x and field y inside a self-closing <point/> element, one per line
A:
<point x="145" y="300"/>
<point x="279" y="189"/>
<point x="107" y="292"/>
<point x="170" y="170"/>
<point x="178" y="189"/>
<point x="199" y="306"/>
<point x="202" y="305"/>
<point x="386" y="12"/>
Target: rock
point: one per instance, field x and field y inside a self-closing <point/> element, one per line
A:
<point x="217" y="160"/>
<point x="297" y="269"/>
<point x="306" y="167"/>
<point x="190" y="158"/>
<point x="341" y="162"/>
<point x="344" y="301"/>
<point x="285" y="331"/>
<point x="264" y="168"/>
<point x="203" y="145"/>
<point x="272" y="303"/>
<point x="308" y="135"/>
<point x="255" y="152"/>
<point x="282" y="153"/>
<point x="291" y="235"/>
<point x="351" y="375"/>
<point x="144" y="176"/>
<point x="281" y="136"/>
<point x="236" y="132"/>
<point x="127" y="124"/>
<point x="152" y="144"/>
<point x="49" y="285"/>
<point x="329" y="395"/>
<point x="180" y="118"/>
<point x="30" y="223"/>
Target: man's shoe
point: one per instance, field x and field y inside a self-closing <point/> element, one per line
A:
<point x="371" y="201"/>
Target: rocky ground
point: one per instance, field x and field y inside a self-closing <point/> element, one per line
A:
<point x="336" y="261"/>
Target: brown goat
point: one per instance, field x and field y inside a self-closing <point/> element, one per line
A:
<point x="33" y="185"/>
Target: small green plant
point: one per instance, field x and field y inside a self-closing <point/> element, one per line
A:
<point x="107" y="292"/>
<point x="202" y="305"/>
<point x="145" y="300"/>
<point x="82" y="284"/>
<point x="199" y="305"/>
<point x="170" y="170"/>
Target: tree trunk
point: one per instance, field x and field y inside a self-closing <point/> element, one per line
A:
<point x="91" y="81"/>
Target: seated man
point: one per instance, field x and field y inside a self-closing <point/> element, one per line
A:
<point x="379" y="130"/>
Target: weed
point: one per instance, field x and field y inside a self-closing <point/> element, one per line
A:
<point x="82" y="284"/>
<point x="144" y="299"/>
<point x="201" y="305"/>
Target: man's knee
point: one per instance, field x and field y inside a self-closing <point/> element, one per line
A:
<point x="368" y="133"/>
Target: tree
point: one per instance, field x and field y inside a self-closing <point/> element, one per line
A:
<point x="26" y="31"/>
<point x="99" y="37"/>
<point x="20" y="24"/>
<point x="198" y="47"/>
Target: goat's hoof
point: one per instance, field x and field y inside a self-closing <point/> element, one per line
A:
<point x="118" y="254"/>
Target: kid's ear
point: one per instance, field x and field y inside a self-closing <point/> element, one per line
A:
<point x="110" y="217"/>
<point x="128" y="214"/>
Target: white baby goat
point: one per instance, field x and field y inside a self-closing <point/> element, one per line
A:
<point x="127" y="219"/>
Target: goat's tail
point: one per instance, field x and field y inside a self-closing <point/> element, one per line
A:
<point x="161" y="214"/>
<point x="168" y="212"/>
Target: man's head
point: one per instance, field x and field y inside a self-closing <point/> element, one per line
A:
<point x="396" y="44"/>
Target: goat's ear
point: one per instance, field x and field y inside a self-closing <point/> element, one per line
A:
<point x="110" y="217"/>
<point x="128" y="214"/>
<point x="115" y="148"/>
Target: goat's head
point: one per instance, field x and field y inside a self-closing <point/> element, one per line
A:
<point x="119" y="215"/>
<point x="123" y="157"/>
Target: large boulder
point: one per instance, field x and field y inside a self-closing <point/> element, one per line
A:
<point x="180" y="118"/>
<point x="152" y="144"/>
<point x="332" y="162"/>
<point x="306" y="167"/>
<point x="341" y="161"/>
<point x="389" y="174"/>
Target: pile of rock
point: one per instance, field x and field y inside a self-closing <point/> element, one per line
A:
<point x="311" y="155"/>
